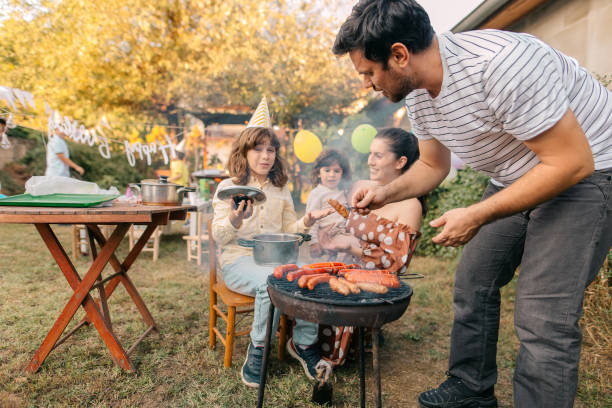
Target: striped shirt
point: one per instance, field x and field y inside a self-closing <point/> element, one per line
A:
<point x="275" y="215"/>
<point x="502" y="88"/>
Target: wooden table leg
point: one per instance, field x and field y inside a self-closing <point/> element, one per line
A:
<point x="122" y="268"/>
<point x="101" y="292"/>
<point x="81" y="297"/>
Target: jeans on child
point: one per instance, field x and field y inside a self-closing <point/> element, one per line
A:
<point x="246" y="277"/>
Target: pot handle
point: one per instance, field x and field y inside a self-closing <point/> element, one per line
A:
<point x="247" y="243"/>
<point x="186" y="189"/>
<point x="134" y="185"/>
<point x="305" y="237"/>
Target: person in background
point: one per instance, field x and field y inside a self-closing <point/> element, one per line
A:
<point x="330" y="175"/>
<point x="2" y="128"/>
<point x="58" y="157"/>
<point x="179" y="172"/>
<point x="254" y="161"/>
<point x="540" y="126"/>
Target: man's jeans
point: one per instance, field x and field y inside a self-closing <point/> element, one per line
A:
<point x="246" y="277"/>
<point x="560" y="246"/>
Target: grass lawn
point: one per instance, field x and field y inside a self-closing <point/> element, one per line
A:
<point x="176" y="367"/>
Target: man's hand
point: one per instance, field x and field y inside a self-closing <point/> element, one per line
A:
<point x="79" y="170"/>
<point x="460" y="225"/>
<point x="236" y="216"/>
<point x="369" y="198"/>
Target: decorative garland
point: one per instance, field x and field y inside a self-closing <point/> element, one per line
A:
<point x="78" y="133"/>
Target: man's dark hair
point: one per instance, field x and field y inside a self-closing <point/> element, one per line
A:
<point x="2" y="121"/>
<point x="375" y="25"/>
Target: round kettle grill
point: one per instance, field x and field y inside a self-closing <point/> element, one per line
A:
<point x="322" y="305"/>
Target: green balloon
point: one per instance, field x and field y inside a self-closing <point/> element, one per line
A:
<point x="362" y="138"/>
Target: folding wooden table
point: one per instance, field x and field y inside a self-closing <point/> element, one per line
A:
<point x="122" y="216"/>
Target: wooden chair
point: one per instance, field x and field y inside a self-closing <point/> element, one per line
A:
<point x="152" y="244"/>
<point x="236" y="304"/>
<point x="194" y="242"/>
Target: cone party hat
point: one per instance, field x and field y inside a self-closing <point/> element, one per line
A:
<point x="261" y="117"/>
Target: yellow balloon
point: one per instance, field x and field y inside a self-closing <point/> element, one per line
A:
<point x="307" y="146"/>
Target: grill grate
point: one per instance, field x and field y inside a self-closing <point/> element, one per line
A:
<point x="322" y="293"/>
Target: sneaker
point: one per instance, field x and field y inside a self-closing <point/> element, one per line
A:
<point x="251" y="369"/>
<point x="307" y="357"/>
<point x="453" y="393"/>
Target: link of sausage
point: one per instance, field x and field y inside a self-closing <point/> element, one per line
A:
<point x="293" y="275"/>
<point x="316" y="280"/>
<point x="280" y="270"/>
<point x="303" y="280"/>
<point x="352" y="287"/>
<point x="388" y="281"/>
<point x="338" y="286"/>
<point x="371" y="271"/>
<point x="324" y="265"/>
<point x="373" y="287"/>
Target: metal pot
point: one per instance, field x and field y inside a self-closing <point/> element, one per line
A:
<point x="153" y="192"/>
<point x="275" y="249"/>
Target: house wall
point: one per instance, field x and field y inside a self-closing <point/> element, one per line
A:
<point x="579" y="28"/>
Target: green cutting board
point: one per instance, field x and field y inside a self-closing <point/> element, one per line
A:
<point x="57" y="200"/>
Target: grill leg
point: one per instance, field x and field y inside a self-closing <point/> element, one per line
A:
<point x="361" y="368"/>
<point x="264" y="364"/>
<point x="376" y="368"/>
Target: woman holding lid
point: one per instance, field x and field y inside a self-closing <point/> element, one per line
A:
<point x="254" y="161"/>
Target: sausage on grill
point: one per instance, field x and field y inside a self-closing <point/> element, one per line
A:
<point x="352" y="287"/>
<point x="280" y="270"/>
<point x="338" y="286"/>
<point x="388" y="280"/>
<point x="293" y="275"/>
<point x="373" y="287"/>
<point x="303" y="280"/>
<point x="314" y="281"/>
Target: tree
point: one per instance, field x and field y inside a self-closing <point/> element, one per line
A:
<point x="141" y="60"/>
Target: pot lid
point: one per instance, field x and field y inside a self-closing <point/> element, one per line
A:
<point x="254" y="193"/>
<point x="161" y="182"/>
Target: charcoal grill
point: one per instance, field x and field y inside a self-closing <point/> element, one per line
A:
<point x="324" y="306"/>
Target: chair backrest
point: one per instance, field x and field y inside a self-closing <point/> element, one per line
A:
<point x="413" y="243"/>
<point x="212" y="256"/>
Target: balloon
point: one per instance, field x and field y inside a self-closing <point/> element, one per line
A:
<point x="362" y="138"/>
<point x="307" y="146"/>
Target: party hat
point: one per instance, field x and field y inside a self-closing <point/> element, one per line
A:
<point x="261" y="117"/>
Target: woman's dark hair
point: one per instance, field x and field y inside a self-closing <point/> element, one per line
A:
<point x="403" y="143"/>
<point x="247" y="140"/>
<point x="375" y="25"/>
<point x="2" y="121"/>
<point x="327" y="158"/>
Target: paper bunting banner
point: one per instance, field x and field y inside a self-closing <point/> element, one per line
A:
<point x="6" y="94"/>
<point x="77" y="132"/>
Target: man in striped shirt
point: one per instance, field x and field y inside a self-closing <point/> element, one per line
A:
<point x="541" y="127"/>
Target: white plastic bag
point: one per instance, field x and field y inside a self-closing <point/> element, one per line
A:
<point x="43" y="185"/>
